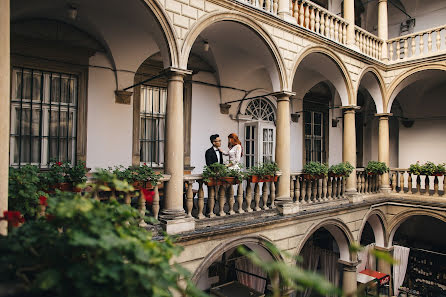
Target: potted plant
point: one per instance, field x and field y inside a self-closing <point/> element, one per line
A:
<point x="415" y="169"/>
<point x="75" y="174"/>
<point x="64" y="176"/>
<point x="315" y="170"/>
<point x="376" y="167"/>
<point x="441" y="169"/>
<point x="265" y="172"/>
<point x="219" y="174"/>
<point x="141" y="177"/>
<point x="341" y="169"/>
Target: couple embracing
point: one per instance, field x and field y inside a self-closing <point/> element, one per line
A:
<point x="215" y="153"/>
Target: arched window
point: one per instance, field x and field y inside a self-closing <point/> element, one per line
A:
<point x="260" y="132"/>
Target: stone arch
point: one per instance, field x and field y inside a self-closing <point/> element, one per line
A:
<point x="169" y="34"/>
<point x="379" y="94"/>
<point x="378" y="222"/>
<point x="216" y="17"/>
<point x="340" y="232"/>
<point x="402" y="217"/>
<point x="351" y="99"/>
<point x="398" y="83"/>
<point x="255" y="243"/>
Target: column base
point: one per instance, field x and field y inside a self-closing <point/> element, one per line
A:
<point x="286" y="206"/>
<point x="178" y="225"/>
<point x="288" y="18"/>
<point x="385" y="189"/>
<point x="353" y="196"/>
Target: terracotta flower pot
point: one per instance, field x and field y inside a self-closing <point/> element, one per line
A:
<point x="335" y="175"/>
<point x="64" y="187"/>
<point x="268" y="178"/>
<point x="139" y="186"/>
<point x="312" y="176"/>
<point x="222" y="181"/>
<point x="438" y="174"/>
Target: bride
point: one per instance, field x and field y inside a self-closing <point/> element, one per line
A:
<point x="235" y="152"/>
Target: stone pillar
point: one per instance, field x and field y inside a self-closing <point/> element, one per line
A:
<point x="173" y="215"/>
<point x="349" y="282"/>
<point x="283" y="153"/>
<point x="4" y="107"/>
<point x="384" y="266"/>
<point x="383" y="26"/>
<point x="349" y="151"/>
<point x="384" y="148"/>
<point x="349" y="16"/>
<point x="284" y="11"/>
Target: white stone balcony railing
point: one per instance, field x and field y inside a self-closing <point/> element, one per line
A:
<point x="368" y="44"/>
<point x="417" y="45"/>
<point x="269" y="6"/>
<point x="404" y="182"/>
<point x="319" y="20"/>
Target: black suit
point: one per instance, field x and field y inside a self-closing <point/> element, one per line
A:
<point x="211" y="157"/>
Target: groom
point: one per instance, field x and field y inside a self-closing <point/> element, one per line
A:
<point x="213" y="155"/>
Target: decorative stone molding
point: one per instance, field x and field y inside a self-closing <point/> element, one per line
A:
<point x="123" y="97"/>
<point x="224" y="108"/>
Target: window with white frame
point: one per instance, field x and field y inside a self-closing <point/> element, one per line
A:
<point x="43" y="117"/>
<point x="314" y="136"/>
<point x="260" y="133"/>
<point x="152" y="125"/>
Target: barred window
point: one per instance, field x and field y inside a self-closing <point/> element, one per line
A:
<point x="152" y="125"/>
<point x="43" y="117"/>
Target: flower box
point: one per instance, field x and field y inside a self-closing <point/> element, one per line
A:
<point x="438" y="174"/>
<point x="267" y="178"/>
<point x="335" y="175"/>
<point x="313" y="176"/>
<point x="222" y="181"/>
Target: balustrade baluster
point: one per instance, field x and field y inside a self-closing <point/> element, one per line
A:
<point x="324" y="189"/>
<point x="301" y="14"/>
<point x="307" y="16"/>
<point x="426" y="186"/>
<point x="366" y="180"/>
<point x="221" y="201"/>
<point x="297" y="189"/>
<point x="200" y="200"/>
<point x="444" y="185"/>
<point x="418" y="185"/>
<point x="429" y="42"/>
<point x="275" y="6"/>
<point x="402" y="181"/>
<point x="322" y="24"/>
<point x="312" y="188"/>
<point x="336" y="30"/>
<point x="319" y="190"/>
<point x="344" y="33"/>
<point x="240" y="198"/>
<point x="273" y="194"/>
<point x="338" y="186"/>
<point x="211" y="201"/>
<point x="329" y="188"/>
<point x="436" y="187"/>
<point x="296" y="11"/>
<point x="156" y="202"/>
<point x="231" y="200"/>
<point x="377" y="183"/>
<point x="265" y="195"/>
<point x="363" y="181"/>
<point x="248" y="196"/>
<point x="261" y="3"/>
<point x="292" y="187"/>
<point x="342" y="187"/>
<point x="409" y="183"/>
<point x="189" y="199"/>
<point x="327" y="26"/>
<point x="406" y="49"/>
<point x="304" y="191"/>
<point x="375" y="49"/>
<point x="142" y="209"/>
<point x="312" y="19"/>
<point x="391" y="51"/>
<point x="357" y="42"/>
<point x="318" y="22"/>
<point x="256" y="196"/>
<point x="334" y="188"/>
<point x="268" y="5"/>
<point x="332" y="28"/>
<point x="358" y="181"/>
<point x="398" y="50"/>
<point x="438" y="39"/>
<point x="394" y="182"/>
<point x="421" y="44"/>
<point x="362" y="42"/>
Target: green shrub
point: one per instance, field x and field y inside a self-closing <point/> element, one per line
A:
<point x="376" y="167"/>
<point x="341" y="169"/>
<point x="264" y="169"/>
<point x="315" y="169"/>
<point x="415" y="168"/>
<point x="64" y="172"/>
<point x="141" y="174"/>
<point x="218" y="171"/>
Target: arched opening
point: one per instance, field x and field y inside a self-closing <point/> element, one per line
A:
<point x="234" y="66"/>
<point x="416" y="100"/>
<point x="231" y="273"/>
<point x="371" y="236"/>
<point x="425" y="254"/>
<point x="321" y="90"/>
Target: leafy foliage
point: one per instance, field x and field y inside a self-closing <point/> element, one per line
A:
<point x="315" y="169"/>
<point x="64" y="172"/>
<point x="137" y="174"/>
<point x="24" y="190"/>
<point x="89" y="248"/>
<point x="218" y="171"/>
<point x="376" y="167"/>
<point x="415" y="168"/>
<point x="341" y="169"/>
<point x="428" y="168"/>
<point x="264" y="169"/>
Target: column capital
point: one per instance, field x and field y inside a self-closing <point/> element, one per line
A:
<point x="176" y="71"/>
<point x="349" y="265"/>
<point x="350" y="108"/>
<point x="283" y="95"/>
<point x="383" y="115"/>
<point x="384" y="249"/>
<point x="382" y="1"/>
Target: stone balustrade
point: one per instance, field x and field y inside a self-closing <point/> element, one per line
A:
<point x="368" y="44"/>
<point x="319" y="20"/>
<point x="270" y="6"/>
<point x="311" y="191"/>
<point x="417" y="45"/>
<point x="365" y="183"/>
<point x="403" y="182"/>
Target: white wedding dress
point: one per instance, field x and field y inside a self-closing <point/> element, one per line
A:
<point x="235" y="155"/>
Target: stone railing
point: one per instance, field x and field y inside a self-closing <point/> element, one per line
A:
<point x="405" y="182"/>
<point x="319" y="20"/>
<point x="365" y="183"/>
<point x="417" y="45"/>
<point x="368" y="43"/>
<point x="226" y="199"/>
<point x="309" y="191"/>
<point x="270" y="6"/>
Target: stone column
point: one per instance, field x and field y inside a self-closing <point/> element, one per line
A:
<point x="4" y="107"/>
<point x="284" y="11"/>
<point x="383" y="25"/>
<point x="383" y="148"/>
<point x="283" y="153"/>
<point x="173" y="215"/>
<point x="349" y="16"/>
<point x="349" y="282"/>
<point x="349" y="150"/>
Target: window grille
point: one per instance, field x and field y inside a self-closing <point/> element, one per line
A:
<point x="152" y="121"/>
<point x="314" y="136"/>
<point x="261" y="109"/>
<point x="43" y="117"/>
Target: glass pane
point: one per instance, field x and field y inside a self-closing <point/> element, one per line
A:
<point x="307" y="150"/>
<point x="248" y="132"/>
<point x="318" y="118"/>
<point x="307" y="117"/>
<point x="248" y="147"/>
<point x="317" y="130"/>
<point x="307" y="129"/>
<point x="55" y="88"/>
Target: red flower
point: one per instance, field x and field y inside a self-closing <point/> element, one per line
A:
<point x="59" y="163"/>
<point x="145" y="164"/>
<point x="14" y="218"/>
<point x="43" y="201"/>
<point x="148" y="195"/>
